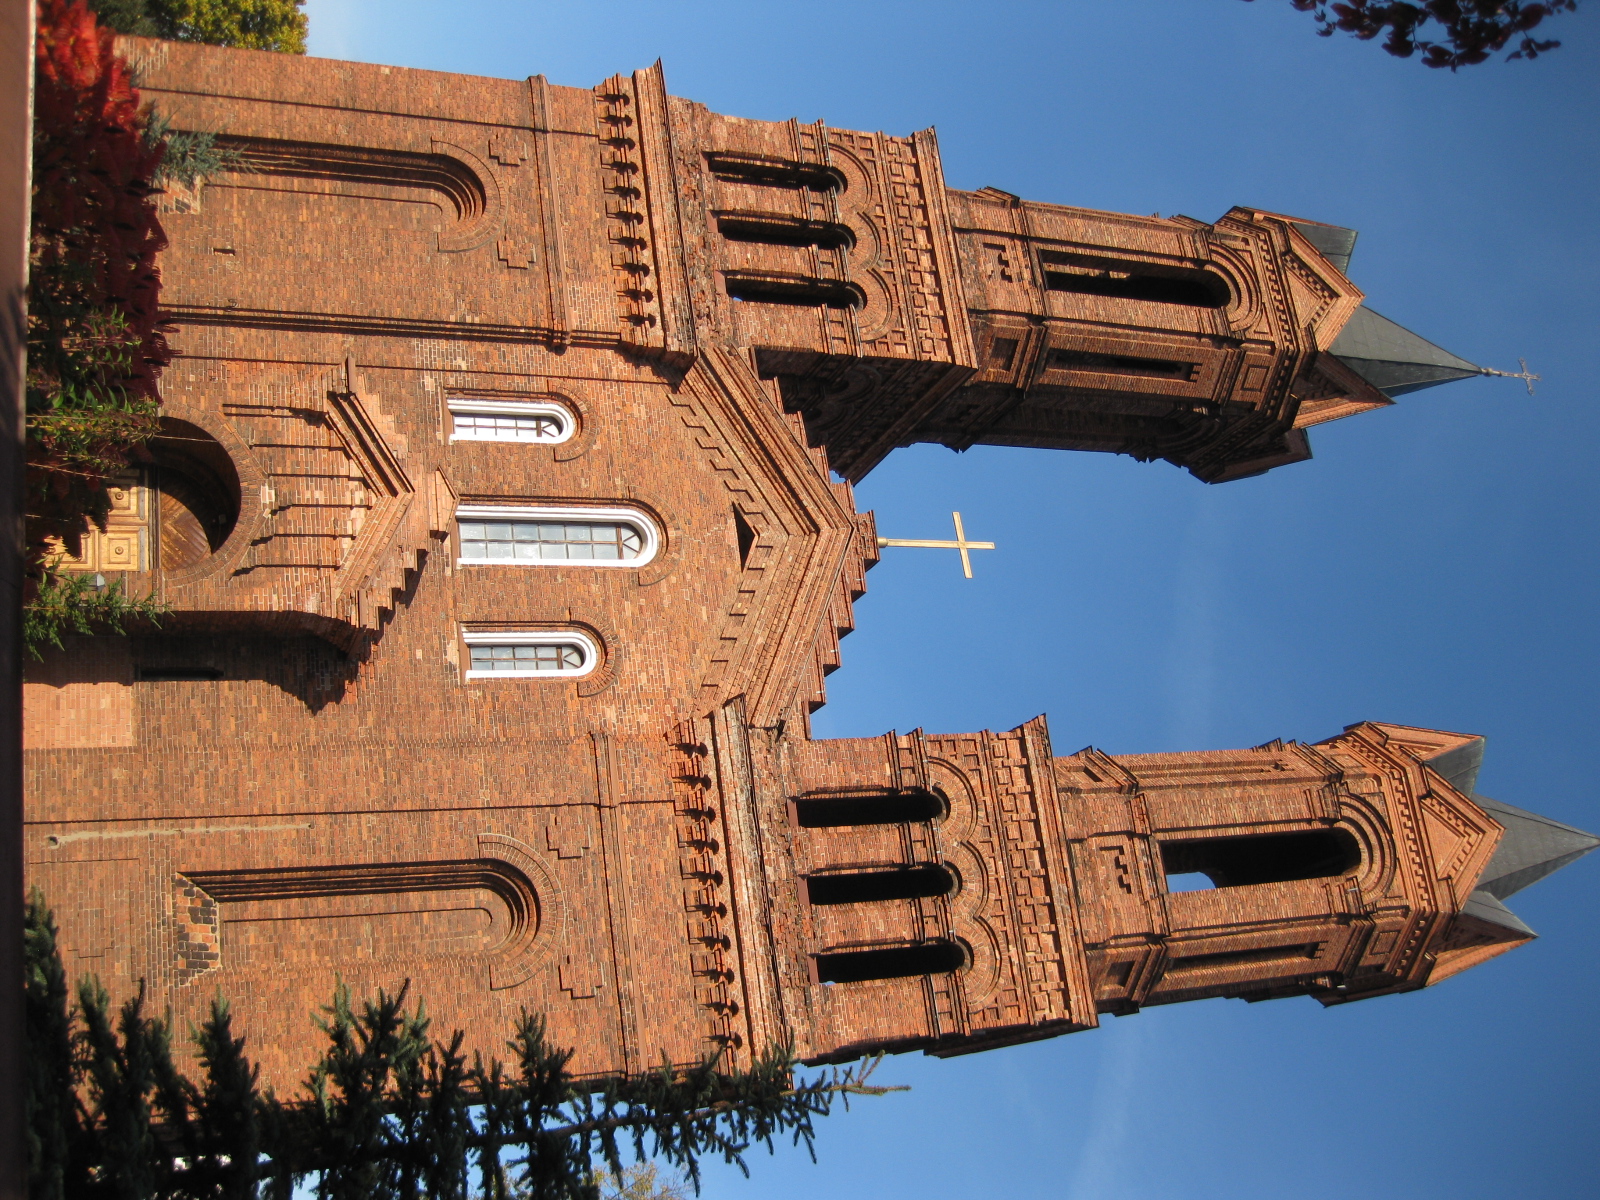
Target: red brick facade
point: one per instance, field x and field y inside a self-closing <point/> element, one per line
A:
<point x="299" y="776"/>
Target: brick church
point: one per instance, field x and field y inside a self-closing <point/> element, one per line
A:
<point x="503" y="513"/>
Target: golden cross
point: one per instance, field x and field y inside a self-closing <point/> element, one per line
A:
<point x="960" y="544"/>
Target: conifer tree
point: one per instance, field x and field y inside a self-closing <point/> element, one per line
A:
<point x="386" y="1111"/>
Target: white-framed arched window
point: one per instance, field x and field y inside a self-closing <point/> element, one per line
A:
<point x="529" y="654"/>
<point x="516" y="536"/>
<point x="474" y="420"/>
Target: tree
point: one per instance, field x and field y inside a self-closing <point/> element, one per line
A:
<point x="642" y="1181"/>
<point x="244" y="24"/>
<point x="385" y="1112"/>
<point x="1470" y="31"/>
<point x="96" y="347"/>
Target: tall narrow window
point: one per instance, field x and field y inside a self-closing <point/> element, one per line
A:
<point x="1261" y="857"/>
<point x="503" y="654"/>
<point x="474" y="420"/>
<point x="869" y="808"/>
<point x="599" y="537"/>
<point x="871" y="887"/>
<point x="1091" y="276"/>
<point x="936" y="957"/>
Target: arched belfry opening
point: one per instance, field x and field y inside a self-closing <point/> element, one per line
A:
<point x="1263" y="857"/>
<point x="194" y="494"/>
<point x="939" y="956"/>
<point x="798" y="291"/>
<point x="1087" y="275"/>
<point x="773" y="229"/>
<point x="882" y="807"/>
<point x="882" y="884"/>
<point x="760" y="170"/>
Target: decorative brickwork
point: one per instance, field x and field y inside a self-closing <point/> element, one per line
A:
<point x="195" y="931"/>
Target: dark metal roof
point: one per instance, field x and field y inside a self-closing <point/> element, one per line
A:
<point x="1486" y="907"/>
<point x="1460" y="766"/>
<point x="1334" y="242"/>
<point x="1531" y="848"/>
<point x="1392" y="358"/>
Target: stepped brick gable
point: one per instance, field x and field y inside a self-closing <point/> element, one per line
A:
<point x="503" y="511"/>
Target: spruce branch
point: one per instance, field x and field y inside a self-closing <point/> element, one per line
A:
<point x="74" y="603"/>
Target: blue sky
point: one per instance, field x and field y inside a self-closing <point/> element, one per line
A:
<point x="1433" y="565"/>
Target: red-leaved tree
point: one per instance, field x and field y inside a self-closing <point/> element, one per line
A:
<point x="95" y="344"/>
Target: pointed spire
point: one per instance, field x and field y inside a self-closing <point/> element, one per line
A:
<point x="1392" y="358"/>
<point x="1533" y="847"/>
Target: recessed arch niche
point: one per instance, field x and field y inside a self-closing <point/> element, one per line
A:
<point x="194" y="494"/>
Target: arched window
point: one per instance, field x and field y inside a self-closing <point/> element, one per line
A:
<point x="474" y="420"/>
<point x="500" y="535"/>
<point x="870" y="887"/>
<point x="1262" y="857"/>
<point x="882" y="807"/>
<point x="546" y="654"/>
<point x="936" y="957"/>
<point x="1087" y="275"/>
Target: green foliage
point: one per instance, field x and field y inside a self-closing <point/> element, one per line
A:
<point x="189" y="156"/>
<point x="84" y="420"/>
<point x="244" y="24"/>
<point x="65" y="604"/>
<point x="386" y="1111"/>
<point x="52" y="1110"/>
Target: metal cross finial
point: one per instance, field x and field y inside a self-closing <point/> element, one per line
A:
<point x="960" y="544"/>
<point x="1525" y="375"/>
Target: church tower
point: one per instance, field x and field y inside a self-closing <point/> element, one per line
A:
<point x="503" y="515"/>
<point x="954" y="893"/>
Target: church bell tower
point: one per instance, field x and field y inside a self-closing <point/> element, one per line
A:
<point x="954" y="893"/>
